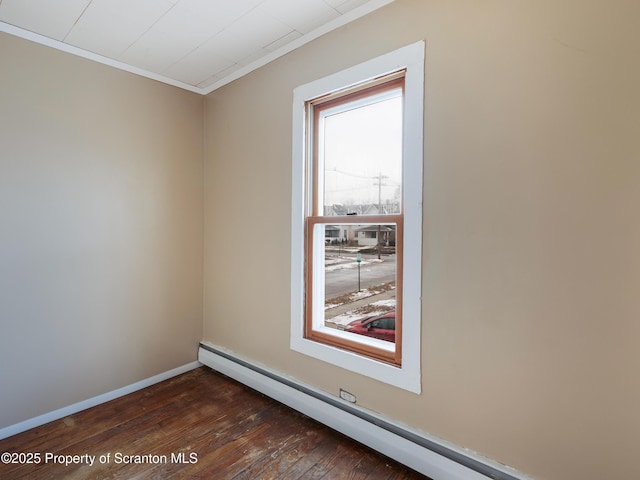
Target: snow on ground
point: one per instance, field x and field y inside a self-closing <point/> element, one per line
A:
<point x="364" y="293"/>
<point x="333" y="264"/>
<point x="333" y="260"/>
<point x="345" y="318"/>
<point x="385" y="303"/>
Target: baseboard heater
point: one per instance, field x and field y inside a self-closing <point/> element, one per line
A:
<point x="430" y="456"/>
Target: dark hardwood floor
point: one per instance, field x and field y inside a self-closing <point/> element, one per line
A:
<point x="198" y="425"/>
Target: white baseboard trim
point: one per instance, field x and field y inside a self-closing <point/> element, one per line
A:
<point x="92" y="402"/>
<point x="429" y="455"/>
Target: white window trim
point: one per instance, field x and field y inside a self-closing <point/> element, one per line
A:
<point x="407" y="376"/>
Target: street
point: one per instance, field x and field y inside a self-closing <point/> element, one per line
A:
<point x="341" y="273"/>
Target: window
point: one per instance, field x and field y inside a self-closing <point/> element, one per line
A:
<point x="357" y="196"/>
<point x="354" y="139"/>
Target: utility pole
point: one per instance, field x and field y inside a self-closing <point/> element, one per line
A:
<point x="378" y="181"/>
<point x="380" y="177"/>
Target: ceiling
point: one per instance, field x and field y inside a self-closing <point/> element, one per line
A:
<point x="198" y="45"/>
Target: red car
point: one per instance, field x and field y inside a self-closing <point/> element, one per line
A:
<point x="382" y="326"/>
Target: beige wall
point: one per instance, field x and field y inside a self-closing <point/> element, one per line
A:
<point x="531" y="270"/>
<point x="530" y="275"/>
<point x="100" y="229"/>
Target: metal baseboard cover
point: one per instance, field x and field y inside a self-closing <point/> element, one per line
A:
<point x="458" y="457"/>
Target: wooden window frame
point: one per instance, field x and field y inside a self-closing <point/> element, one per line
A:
<point x="314" y="109"/>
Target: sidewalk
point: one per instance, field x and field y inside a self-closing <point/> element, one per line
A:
<point x="352" y="307"/>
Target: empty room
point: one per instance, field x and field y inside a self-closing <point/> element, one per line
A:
<point x="320" y="239"/>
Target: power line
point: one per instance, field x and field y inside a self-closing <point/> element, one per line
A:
<point x="366" y="177"/>
<point x="351" y="174"/>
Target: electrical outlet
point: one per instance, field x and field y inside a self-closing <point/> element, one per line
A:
<point x="349" y="397"/>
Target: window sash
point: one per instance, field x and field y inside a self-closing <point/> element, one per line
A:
<point x="314" y="253"/>
<point x="319" y="107"/>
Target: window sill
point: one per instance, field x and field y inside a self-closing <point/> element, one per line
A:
<point x="359" y="339"/>
<point x="403" y="377"/>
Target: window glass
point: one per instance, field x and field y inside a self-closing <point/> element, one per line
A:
<point x="361" y="157"/>
<point x="359" y="274"/>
